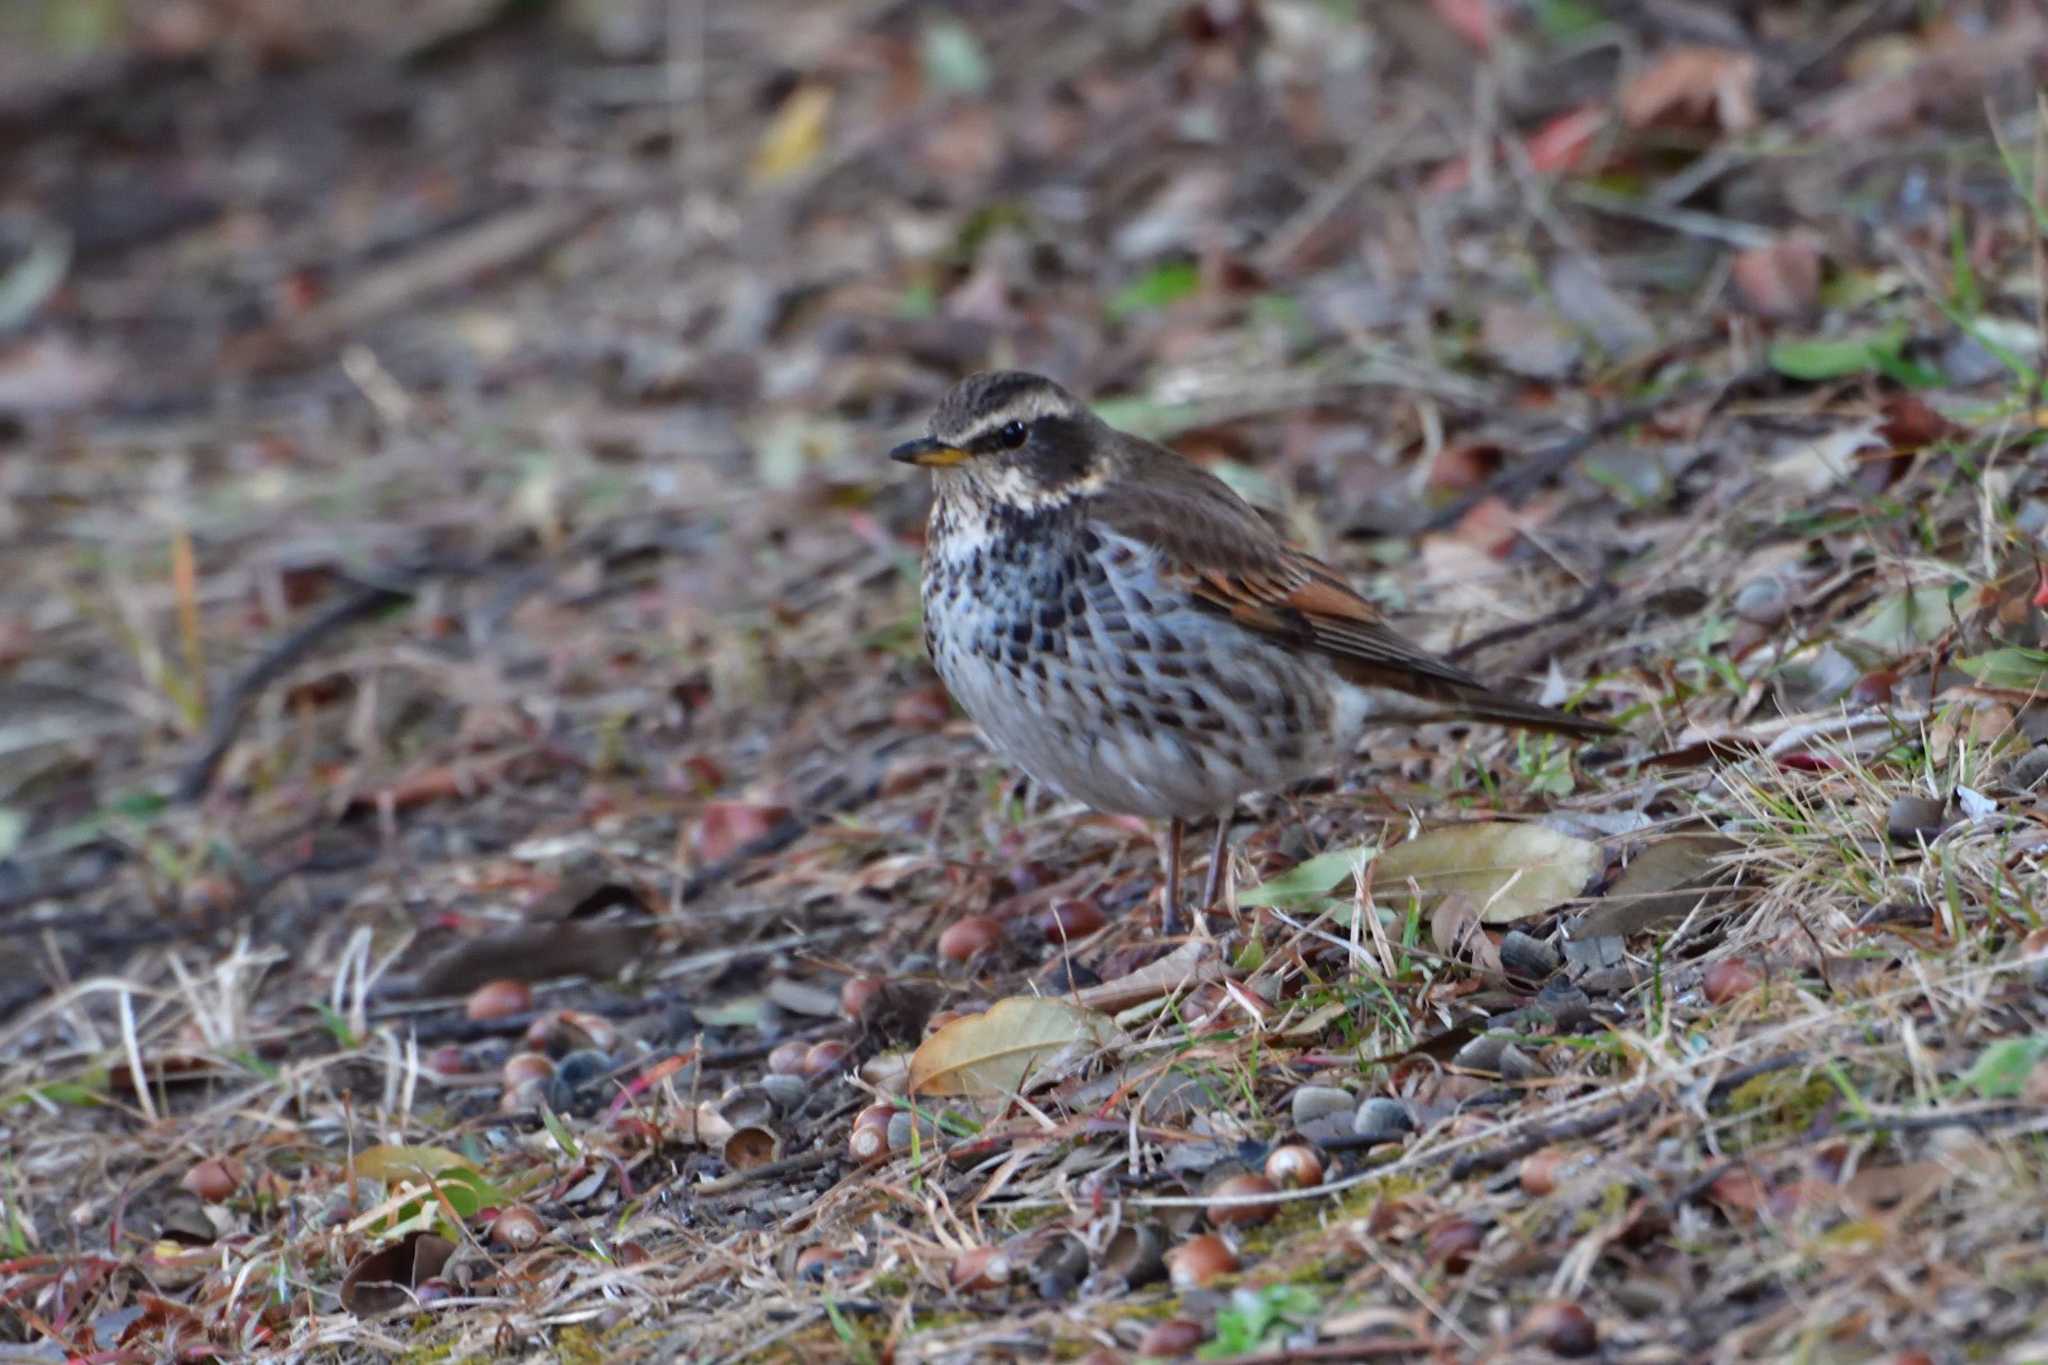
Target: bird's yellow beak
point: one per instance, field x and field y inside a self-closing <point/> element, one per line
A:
<point x="927" y="452"/>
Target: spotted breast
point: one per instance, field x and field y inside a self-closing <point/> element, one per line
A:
<point x="1106" y="680"/>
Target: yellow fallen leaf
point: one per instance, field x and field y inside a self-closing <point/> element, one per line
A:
<point x="998" y="1051"/>
<point x="1510" y="871"/>
<point x="796" y="136"/>
<point x="393" y="1164"/>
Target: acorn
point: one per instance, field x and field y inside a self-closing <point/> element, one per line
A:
<point x="213" y="1179"/>
<point x="826" y="1058"/>
<point x="499" y="999"/>
<point x="516" y="1227"/>
<point x="1295" y="1166"/>
<point x="969" y="938"/>
<point x="1562" y="1328"/>
<point x="1224" y="1211"/>
<point x="981" y="1267"/>
<point x="1199" y="1260"/>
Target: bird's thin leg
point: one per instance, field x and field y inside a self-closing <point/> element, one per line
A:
<point x="1169" y="918"/>
<point x="1219" y="858"/>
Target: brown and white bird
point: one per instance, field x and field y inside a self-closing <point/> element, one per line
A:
<point x="1129" y="632"/>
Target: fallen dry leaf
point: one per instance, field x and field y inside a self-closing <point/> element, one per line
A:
<point x="1781" y="279"/>
<point x="1472" y="20"/>
<point x="725" y="827"/>
<point x="1510" y="871"/>
<point x="1000" y="1050"/>
<point x="1661" y="884"/>
<point x="1815" y="464"/>
<point x="1953" y="73"/>
<point x="1559" y="145"/>
<point x="385" y="1279"/>
<point x="1191" y="964"/>
<point x="1562" y="142"/>
<point x="796" y="135"/>
<point x="1528" y="339"/>
<point x="1692" y="85"/>
<point x="1454" y="929"/>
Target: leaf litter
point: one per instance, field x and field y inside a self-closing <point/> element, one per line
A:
<point x="461" y="562"/>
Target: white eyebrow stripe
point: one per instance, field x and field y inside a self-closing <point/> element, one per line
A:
<point x="1028" y="407"/>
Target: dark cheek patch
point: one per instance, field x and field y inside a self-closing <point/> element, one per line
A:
<point x="1057" y="454"/>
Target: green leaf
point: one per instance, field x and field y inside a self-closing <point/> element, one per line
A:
<point x="1250" y="958"/>
<point x="1905" y="620"/>
<point x="1893" y="365"/>
<point x="337" y="1026"/>
<point x="953" y="59"/>
<point x="559" y="1131"/>
<point x="1968" y="299"/>
<point x="54" y="1092"/>
<point x="1158" y="287"/>
<point x="450" y="1174"/>
<point x="139" y="805"/>
<point x="1564" y="20"/>
<point x="1821" y="358"/>
<point x="856" y="1346"/>
<point x="2021" y="670"/>
<point x="1255" y="1314"/>
<point x="919" y="300"/>
<point x="2001" y="1071"/>
<point x="81" y="27"/>
<point x="1309" y="883"/>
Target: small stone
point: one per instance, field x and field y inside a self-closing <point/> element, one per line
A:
<point x="1527" y="956"/>
<point x="1057" y="1270"/>
<point x="1482" y="1054"/>
<point x="1562" y="1006"/>
<point x="1312" y="1102"/>
<point x="1382" y="1120"/>
<point x="785" y="1092"/>
<point x="1763" y="601"/>
<point x="1966" y="362"/>
<point x="582" y="1067"/>
<point x="2029" y="768"/>
<point x="1912" y="819"/>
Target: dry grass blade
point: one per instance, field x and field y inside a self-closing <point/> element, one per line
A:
<point x="446" y="542"/>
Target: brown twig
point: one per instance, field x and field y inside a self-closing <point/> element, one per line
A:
<point x="1481" y="1163"/>
<point x="1602" y="591"/>
<point x="366" y="601"/>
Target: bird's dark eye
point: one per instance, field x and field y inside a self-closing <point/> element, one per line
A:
<point x="1010" y="435"/>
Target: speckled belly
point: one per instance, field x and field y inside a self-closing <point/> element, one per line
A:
<point x="1086" y="668"/>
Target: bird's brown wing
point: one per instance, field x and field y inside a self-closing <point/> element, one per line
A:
<point x="1237" y="565"/>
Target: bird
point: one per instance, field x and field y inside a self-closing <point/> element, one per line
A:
<point x="1136" y="637"/>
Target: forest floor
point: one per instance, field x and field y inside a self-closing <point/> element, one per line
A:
<point x="486" y="869"/>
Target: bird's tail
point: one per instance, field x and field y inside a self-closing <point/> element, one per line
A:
<point x="1493" y="707"/>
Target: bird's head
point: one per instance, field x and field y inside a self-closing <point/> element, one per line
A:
<point x="1016" y="439"/>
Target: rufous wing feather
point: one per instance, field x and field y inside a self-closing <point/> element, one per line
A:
<point x="1237" y="565"/>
